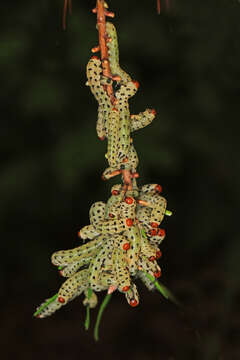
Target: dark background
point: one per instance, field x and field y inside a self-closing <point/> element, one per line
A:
<point x="187" y="62"/>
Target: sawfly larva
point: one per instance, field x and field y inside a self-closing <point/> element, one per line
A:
<point x="113" y="52"/>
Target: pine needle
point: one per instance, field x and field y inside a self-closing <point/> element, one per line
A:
<point x="99" y="316"/>
<point x="43" y="306"/>
<point x="163" y="289"/>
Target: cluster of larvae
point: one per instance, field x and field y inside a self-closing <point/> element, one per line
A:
<point x="115" y="123"/>
<point x="123" y="245"/>
<point x="122" y="240"/>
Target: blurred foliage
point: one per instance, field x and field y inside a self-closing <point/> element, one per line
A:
<point x="187" y="62"/>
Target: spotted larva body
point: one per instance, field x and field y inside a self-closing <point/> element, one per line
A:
<point x="65" y="257"/>
<point x="48" y="309"/>
<point x="134" y="237"/>
<point x="113" y="53"/>
<point x="147" y="282"/>
<point x="97" y="212"/>
<point x="122" y="95"/>
<point x="88" y="232"/>
<point x="122" y="273"/>
<point x="113" y="123"/>
<point x="142" y="119"/>
<point x="97" y="265"/>
<point x="94" y="71"/>
<point x="75" y="284"/>
<point x="132" y="296"/>
<point x="110" y="227"/>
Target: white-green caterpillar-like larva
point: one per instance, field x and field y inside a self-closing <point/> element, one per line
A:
<point x="113" y="53"/>
<point x="73" y="286"/>
<point x="142" y="119"/>
<point x="134" y="237"/>
<point x="97" y="212"/>
<point x="158" y="204"/>
<point x="88" y="232"/>
<point x="146" y="249"/>
<point x="97" y="265"/>
<point x="65" y="257"/>
<point x="123" y="95"/>
<point x="94" y="71"/>
<point x="112" y="207"/>
<point x="112" y="124"/>
<point x="151" y="267"/>
<point x="132" y="296"/>
<point x="120" y="268"/>
<point x="49" y="306"/>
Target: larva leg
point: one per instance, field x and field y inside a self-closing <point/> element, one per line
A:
<point x="132" y="296"/>
<point x="75" y="284"/>
<point x="65" y="257"/>
<point x="122" y="273"/>
<point x="96" y="212"/>
<point x="142" y="119"/>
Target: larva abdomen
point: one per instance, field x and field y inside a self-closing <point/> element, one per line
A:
<point x="113" y="53"/>
<point x="122" y="273"/>
<point x="65" y="257"/>
<point x="75" y="284"/>
<point x="142" y="119"/>
<point x="97" y="212"/>
<point x="113" y="123"/>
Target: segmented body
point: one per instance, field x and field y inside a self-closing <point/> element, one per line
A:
<point x="113" y="53"/>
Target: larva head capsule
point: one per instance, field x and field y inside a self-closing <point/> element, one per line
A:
<point x="158" y="188"/>
<point x="126" y="246"/>
<point x="129" y="222"/>
<point x="134" y="302"/>
<point x="129" y="200"/>
<point x="136" y="83"/>
<point x="158" y="254"/>
<point x="61" y="300"/>
<point x="157" y="274"/>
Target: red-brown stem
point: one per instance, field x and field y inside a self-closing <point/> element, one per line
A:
<point x="101" y="21"/>
<point x="158" y="6"/>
